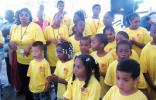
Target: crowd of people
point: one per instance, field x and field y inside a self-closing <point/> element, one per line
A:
<point x="82" y="58"/>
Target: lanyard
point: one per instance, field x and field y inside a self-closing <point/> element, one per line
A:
<point x="56" y="35"/>
<point x="23" y="33"/>
<point x="96" y="27"/>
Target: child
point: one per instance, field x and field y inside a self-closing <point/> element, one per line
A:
<point x="127" y="74"/>
<point x="64" y="67"/>
<point x="123" y="51"/>
<point x="85" y="45"/>
<point x="110" y="33"/>
<point x="54" y="34"/>
<point x="148" y="62"/>
<point x="138" y="36"/>
<point x="75" y="39"/>
<point x="104" y="59"/>
<point x="38" y="71"/>
<point x="121" y="35"/>
<point x="84" y="84"/>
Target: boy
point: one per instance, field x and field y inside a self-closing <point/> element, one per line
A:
<point x="98" y="44"/>
<point x="95" y="22"/>
<point x="85" y="45"/>
<point x="123" y="51"/>
<point x="38" y="71"/>
<point x="128" y="72"/>
<point x="148" y="62"/>
<point x="110" y="33"/>
<point x="121" y="35"/>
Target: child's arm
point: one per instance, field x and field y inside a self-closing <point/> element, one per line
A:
<point x="60" y="80"/>
<point x="138" y="44"/>
<point x="54" y="78"/>
<point x="146" y="93"/>
<point x="149" y="81"/>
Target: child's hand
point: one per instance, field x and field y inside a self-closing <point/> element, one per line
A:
<point x="52" y="78"/>
<point x="47" y="86"/>
<point x="55" y="78"/>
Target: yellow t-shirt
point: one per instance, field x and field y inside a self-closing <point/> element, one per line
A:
<point x="140" y="35"/>
<point x="1" y="38"/>
<point x="38" y="72"/>
<point x="63" y="71"/>
<point x="148" y="60"/>
<point x="24" y="37"/>
<point x="110" y="78"/>
<point x="51" y="33"/>
<point x="100" y="30"/>
<point x="110" y="46"/>
<point x="75" y="90"/>
<point x="114" y="94"/>
<point x="67" y="21"/>
<point x="75" y="43"/>
<point x="134" y="55"/>
<point x="94" y="25"/>
<point x="103" y="65"/>
<point x="103" y="61"/>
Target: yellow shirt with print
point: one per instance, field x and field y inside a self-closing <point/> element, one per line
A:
<point x="51" y="33"/>
<point x="63" y="71"/>
<point x="75" y="43"/>
<point x="148" y="60"/>
<point x="94" y="25"/>
<point x="38" y="71"/>
<point x="110" y="46"/>
<point x="24" y="37"/>
<point x="1" y="38"/>
<point x="134" y="55"/>
<point x="75" y="90"/>
<point x="110" y="78"/>
<point x="103" y="65"/>
<point x="140" y="35"/>
<point x="114" y="94"/>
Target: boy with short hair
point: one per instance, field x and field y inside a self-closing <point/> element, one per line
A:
<point x="38" y="71"/>
<point x="127" y="74"/>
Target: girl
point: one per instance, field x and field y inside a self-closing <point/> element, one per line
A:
<point x="64" y="67"/>
<point x="84" y="84"/>
<point x="138" y="36"/>
<point x="110" y="33"/>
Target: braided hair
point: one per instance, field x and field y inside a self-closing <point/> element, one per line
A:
<point x="67" y="48"/>
<point x="91" y="67"/>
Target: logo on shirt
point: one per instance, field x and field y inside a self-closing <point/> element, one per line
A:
<point x="65" y="71"/>
<point x="42" y="69"/>
<point x="84" y="91"/>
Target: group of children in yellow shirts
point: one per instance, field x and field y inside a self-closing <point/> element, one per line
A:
<point x="107" y="65"/>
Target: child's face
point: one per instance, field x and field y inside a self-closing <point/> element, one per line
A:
<point x="60" y="53"/>
<point x="37" y="52"/>
<point x="76" y="18"/>
<point x="107" y="20"/>
<point x="120" y="37"/>
<point x="95" y="44"/>
<point x="80" y="26"/>
<point x="153" y="32"/>
<point x="123" y="51"/>
<point x="85" y="45"/>
<point x="135" y="23"/>
<point x="110" y="35"/>
<point x="79" y="69"/>
<point x="125" y="82"/>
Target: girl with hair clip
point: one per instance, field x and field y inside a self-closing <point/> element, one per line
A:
<point x="84" y="84"/>
<point x="64" y="67"/>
